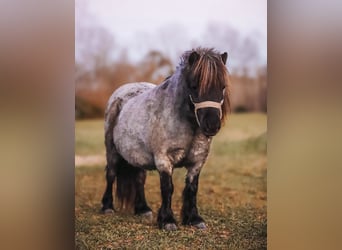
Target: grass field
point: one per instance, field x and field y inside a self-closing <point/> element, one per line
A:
<point x="232" y="194"/>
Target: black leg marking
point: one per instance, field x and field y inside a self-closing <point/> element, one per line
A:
<point x="165" y="214"/>
<point x="112" y="160"/>
<point x="107" y="200"/>
<point x="189" y="209"/>
<point x="140" y="201"/>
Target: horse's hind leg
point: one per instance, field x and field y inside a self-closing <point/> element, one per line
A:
<point x="111" y="172"/>
<point x="140" y="205"/>
<point x="107" y="199"/>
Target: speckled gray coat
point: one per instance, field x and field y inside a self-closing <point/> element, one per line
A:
<point x="164" y="127"/>
<point x="151" y="131"/>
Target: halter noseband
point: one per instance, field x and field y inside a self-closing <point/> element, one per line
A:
<point x="207" y="104"/>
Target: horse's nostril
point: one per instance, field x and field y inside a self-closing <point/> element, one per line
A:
<point x="212" y="126"/>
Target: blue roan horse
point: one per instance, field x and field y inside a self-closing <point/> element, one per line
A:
<point x="149" y="127"/>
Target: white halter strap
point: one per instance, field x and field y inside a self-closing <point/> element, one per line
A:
<point x="207" y="104"/>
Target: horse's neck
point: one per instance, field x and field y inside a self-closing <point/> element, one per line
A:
<point x="179" y="99"/>
<point x="177" y="90"/>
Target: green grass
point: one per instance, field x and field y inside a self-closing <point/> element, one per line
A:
<point x="232" y="195"/>
<point x="89" y="137"/>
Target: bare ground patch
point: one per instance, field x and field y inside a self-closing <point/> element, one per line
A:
<point x="89" y="160"/>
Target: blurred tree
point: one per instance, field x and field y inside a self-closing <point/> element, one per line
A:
<point x="249" y="55"/>
<point x="154" y="67"/>
<point x="101" y="65"/>
<point x="94" y="45"/>
<point x="173" y="40"/>
<point x="262" y="79"/>
<point x="243" y="52"/>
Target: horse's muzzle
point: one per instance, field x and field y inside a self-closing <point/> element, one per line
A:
<point x="210" y="122"/>
<point x="210" y="118"/>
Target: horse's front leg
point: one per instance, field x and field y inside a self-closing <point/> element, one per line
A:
<point x="189" y="210"/>
<point x="165" y="215"/>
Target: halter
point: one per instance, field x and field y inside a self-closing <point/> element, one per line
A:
<point x="207" y="104"/>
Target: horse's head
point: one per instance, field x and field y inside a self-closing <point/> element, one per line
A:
<point x="207" y="86"/>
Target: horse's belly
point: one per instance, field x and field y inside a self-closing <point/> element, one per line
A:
<point x="139" y="159"/>
<point x="134" y="152"/>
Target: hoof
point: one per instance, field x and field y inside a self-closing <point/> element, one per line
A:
<point x="108" y="211"/>
<point x="147" y="216"/>
<point x="200" y="225"/>
<point x="170" y="227"/>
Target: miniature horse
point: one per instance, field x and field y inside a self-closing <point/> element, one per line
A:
<point x="149" y="127"/>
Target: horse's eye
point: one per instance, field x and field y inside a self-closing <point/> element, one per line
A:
<point x="194" y="87"/>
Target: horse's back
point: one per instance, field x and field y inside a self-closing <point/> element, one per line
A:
<point x="129" y="90"/>
<point x="120" y="96"/>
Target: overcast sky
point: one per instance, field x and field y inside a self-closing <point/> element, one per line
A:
<point x="132" y="21"/>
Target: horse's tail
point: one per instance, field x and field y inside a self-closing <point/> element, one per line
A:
<point x="111" y="114"/>
<point x="126" y="175"/>
<point x="126" y="185"/>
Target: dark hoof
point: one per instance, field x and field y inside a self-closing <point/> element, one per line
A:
<point x="108" y="211"/>
<point x="170" y="227"/>
<point x="200" y="225"/>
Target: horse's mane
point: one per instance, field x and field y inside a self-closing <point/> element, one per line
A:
<point x="211" y="72"/>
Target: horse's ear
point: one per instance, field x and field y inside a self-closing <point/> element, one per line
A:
<point x="224" y="57"/>
<point x="194" y="56"/>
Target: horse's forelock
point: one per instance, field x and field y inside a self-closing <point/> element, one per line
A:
<point x="211" y="72"/>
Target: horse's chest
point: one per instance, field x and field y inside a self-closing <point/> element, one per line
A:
<point x="199" y="149"/>
<point x="196" y="151"/>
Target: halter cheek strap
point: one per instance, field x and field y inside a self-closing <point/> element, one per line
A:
<point x="206" y="104"/>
